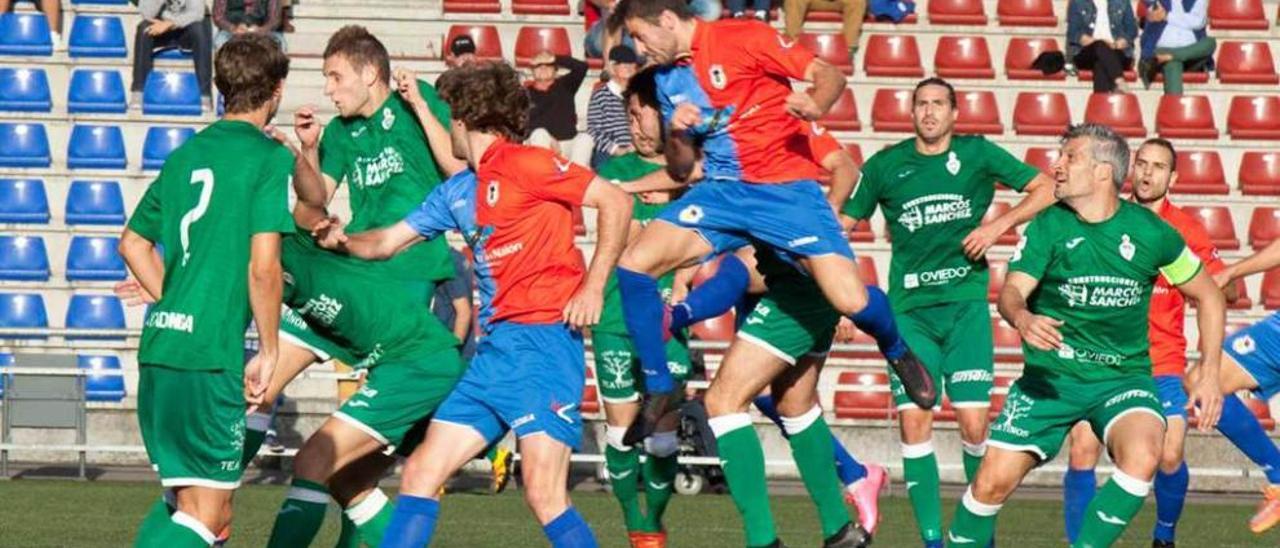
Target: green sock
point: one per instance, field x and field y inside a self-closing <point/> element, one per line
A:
<point x="1111" y="510"/>
<point x="811" y="447"/>
<point x="659" y="478"/>
<point x="182" y="531"/>
<point x="742" y="459"/>
<point x="255" y="431"/>
<point x="350" y="535"/>
<point x="300" y="516"/>
<point x="920" y="470"/>
<point x="623" y="468"/>
<point x="492" y="454"/>
<point x="158" y="517"/>
<point x="974" y="523"/>
<point x="973" y="454"/>
<point x="371" y="517"/>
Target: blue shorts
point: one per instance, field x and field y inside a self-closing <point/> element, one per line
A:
<point x="528" y="378"/>
<point x="1257" y="349"/>
<point x="1173" y="397"/>
<point x="794" y="218"/>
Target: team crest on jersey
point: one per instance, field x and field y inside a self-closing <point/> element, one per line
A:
<point x="953" y="163"/>
<point x="491" y="193"/>
<point x="1127" y="248"/>
<point x="388" y="118"/>
<point x="718" y="77"/>
<point x="691" y="214"/>
<point x="1243" y="345"/>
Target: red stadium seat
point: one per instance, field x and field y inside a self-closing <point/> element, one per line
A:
<point x="1216" y="220"/>
<point x="996" y="269"/>
<point x="1264" y="226"/>
<point x="531" y="41"/>
<point x="893" y="55"/>
<point x="706" y="270"/>
<point x="1200" y="172"/>
<point x="488" y="43"/>
<point x="856" y="404"/>
<point x="956" y="12"/>
<point x="1271" y="290"/>
<point x="1118" y="110"/>
<point x="856" y="152"/>
<point x="1185" y="117"/>
<point x="472" y="6"/>
<point x="1262" y="410"/>
<point x="1237" y="15"/>
<point x="978" y="113"/>
<point x="1246" y="63"/>
<point x="843" y="115"/>
<point x="1008" y="343"/>
<point x="1254" y="117"/>
<point x="590" y="395"/>
<point x="1260" y="173"/>
<point x="999" y="393"/>
<point x="1026" y="13"/>
<point x="867" y="270"/>
<point x="540" y="7"/>
<point x="1042" y="158"/>
<point x="862" y="232"/>
<point x="1041" y="113"/>
<point x="891" y="111"/>
<point x="1022" y="52"/>
<point x="963" y="57"/>
<point x="719" y="328"/>
<point x="830" y="48"/>
<point x="997" y="209"/>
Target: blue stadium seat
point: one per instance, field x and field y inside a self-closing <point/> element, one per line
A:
<point x="173" y="53"/>
<point x="23" y="201"/>
<point x="94" y="258"/>
<point x="96" y="91"/>
<point x="99" y="386"/>
<point x="95" y="203"/>
<point x="95" y="312"/>
<point x="25" y="145"/>
<point x="23" y="310"/>
<point x="25" y="90"/>
<point x="97" y="36"/>
<point x="96" y="147"/>
<point x="160" y="142"/>
<point x="171" y="93"/>
<point x="23" y="258"/>
<point x="25" y="34"/>
<point x="6" y="360"/>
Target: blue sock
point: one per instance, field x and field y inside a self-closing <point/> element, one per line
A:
<point x="642" y="311"/>
<point x="877" y="320"/>
<point x="412" y="523"/>
<point x="569" y="530"/>
<point x="933" y="543"/>
<point x="1078" y="488"/>
<point x="713" y="297"/>
<point x="847" y="467"/>
<point x="1171" y="493"/>
<point x="1242" y="428"/>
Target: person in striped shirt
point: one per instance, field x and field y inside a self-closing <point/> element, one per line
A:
<point x="607" y="110"/>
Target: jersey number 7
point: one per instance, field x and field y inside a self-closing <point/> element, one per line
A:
<point x="203" y="177"/>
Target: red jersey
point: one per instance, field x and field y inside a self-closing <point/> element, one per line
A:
<point x="1168" y="343"/>
<point x="821" y="143"/>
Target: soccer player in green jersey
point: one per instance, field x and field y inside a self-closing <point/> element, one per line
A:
<point x="218" y="206"/>
<point x="933" y="190"/>
<point x="1078" y="291"/>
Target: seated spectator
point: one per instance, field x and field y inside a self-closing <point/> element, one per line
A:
<point x="52" y="10"/>
<point x="1173" y="39"/>
<point x="172" y="24"/>
<point x="1100" y="35"/>
<point x="852" y="12"/>
<point x="462" y="50"/>
<point x="234" y="17"/>
<point x="759" y="9"/>
<point x="553" y="118"/>
<point x="607" y="121"/>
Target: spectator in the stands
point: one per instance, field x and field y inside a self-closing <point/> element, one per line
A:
<point x="451" y="304"/>
<point x="759" y="9"/>
<point x="170" y="24"/>
<point x="462" y="50"/>
<point x="852" y="12"/>
<point x="553" y="117"/>
<point x="1174" y="41"/>
<point x="52" y="10"/>
<point x="1100" y="37"/>
<point x="234" y="17"/>
<point x="607" y="111"/>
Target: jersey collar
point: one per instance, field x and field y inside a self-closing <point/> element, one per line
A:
<point x="489" y="153"/>
<point x="701" y="30"/>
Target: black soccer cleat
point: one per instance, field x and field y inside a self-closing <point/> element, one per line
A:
<point x="851" y="535"/>
<point x="656" y="406"/>
<point x="777" y="543"/>
<point x="916" y="380"/>
<point x="1157" y="543"/>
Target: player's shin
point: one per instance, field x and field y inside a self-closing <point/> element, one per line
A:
<point x="974" y="523"/>
<point x="973" y="453"/>
<point x="1171" y="494"/>
<point x="876" y="319"/>
<point x="1242" y="428"/>
<point x="1078" y="488"/>
<point x="158" y="517"/>
<point x="660" y="469"/>
<point x="811" y="448"/>
<point x="622" y="463"/>
<point x="1118" y="501"/>
<point x="713" y="297"/>
<point x="370" y="517"/>
<point x="301" y="515"/>
<point x="349" y="536"/>
<point x="742" y="458"/>
<point x="920" y="471"/>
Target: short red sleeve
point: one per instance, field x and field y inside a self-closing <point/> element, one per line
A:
<point x="775" y="53"/>
<point x="556" y="178"/>
<point x="821" y="143"/>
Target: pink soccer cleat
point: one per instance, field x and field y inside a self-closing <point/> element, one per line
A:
<point x="1268" y="514"/>
<point x="864" y="495"/>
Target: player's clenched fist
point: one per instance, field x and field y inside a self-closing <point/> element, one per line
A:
<point x="584" y="308"/>
<point x="257" y="378"/>
<point x="407" y="85"/>
<point x="1039" y="331"/>
<point x="685" y="117"/>
<point x="801" y="105"/>
<point x="306" y="126"/>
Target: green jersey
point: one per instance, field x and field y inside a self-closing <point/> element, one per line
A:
<point x="359" y="306"/>
<point x="389" y="168"/>
<point x="621" y="169"/>
<point x="224" y="185"/>
<point x="931" y="203"/>
<point x="1096" y="278"/>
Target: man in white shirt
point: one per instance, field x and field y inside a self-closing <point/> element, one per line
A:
<point x="1174" y="37"/>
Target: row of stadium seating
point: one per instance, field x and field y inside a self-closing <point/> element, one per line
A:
<point x="89" y="258"/>
<point x="84" y="311"/>
<point x="103" y="385"/>
<point x="25" y="201"/>
<point x="99" y="91"/>
<point x="90" y="146"/>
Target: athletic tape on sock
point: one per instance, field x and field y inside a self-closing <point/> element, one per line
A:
<point x="662" y="444"/>
<point x="304" y="494"/>
<point x="190" y="522"/>
<point x="258" y="422"/>
<point x="916" y="451"/>
<point x="979" y="508"/>
<point x="975" y="449"/>
<point x="614" y="434"/>
<point x="728" y="423"/>
<point x="361" y="512"/>
<point x="796" y="425"/>
<point x="1130" y="484"/>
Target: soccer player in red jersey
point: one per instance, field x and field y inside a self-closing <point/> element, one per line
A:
<point x="516" y="212"/>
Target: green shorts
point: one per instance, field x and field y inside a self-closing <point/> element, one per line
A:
<point x="618" y="368"/>
<point x="398" y="397"/>
<point x="1040" y="410"/>
<point x="192" y="424"/>
<point x="954" y="342"/>
<point x="792" y="320"/>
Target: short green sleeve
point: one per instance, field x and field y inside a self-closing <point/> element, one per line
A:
<point x="271" y="196"/>
<point x="1004" y="167"/>
<point x="147" y="220"/>
<point x="1031" y="257"/>
<point x="335" y="152"/>
<point x="1178" y="263"/>
<point x="438" y="107"/>
<point x="863" y="202"/>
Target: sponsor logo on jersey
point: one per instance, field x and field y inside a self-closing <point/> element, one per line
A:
<point x="491" y="193"/>
<point x="562" y="166"/>
<point x="1101" y="291"/>
<point x="1014" y="409"/>
<point x="175" y="321"/>
<point x="562" y="410"/>
<point x="521" y="421"/>
<point x="373" y="172"/>
<point x="1128" y="395"/>
<point x="1244" y="344"/>
<point x="1126" y="248"/>
<point x="323" y="308"/>
<point x="953" y="163"/>
<point x="502" y="251"/>
<point x="1089" y="356"/>
<point x="934" y="209"/>
<point x="388" y="118"/>
<point x="941" y="276"/>
<point x="972" y="375"/>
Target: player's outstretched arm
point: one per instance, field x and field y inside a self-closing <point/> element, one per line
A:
<point x="1262" y="261"/>
<point x="661" y="180"/>
<point x="1039" y="195"/>
<point x="140" y="256"/>
<point x="372" y="245"/>
<point x="612" y="224"/>
<point x="266" y="289"/>
<point x="1039" y="331"/>
<point x="1211" y="318"/>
